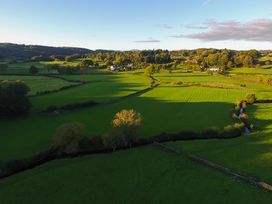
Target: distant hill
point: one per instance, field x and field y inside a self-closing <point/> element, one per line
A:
<point x="9" y="50"/>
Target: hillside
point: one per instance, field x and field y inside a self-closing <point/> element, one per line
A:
<point x="10" y="50"/>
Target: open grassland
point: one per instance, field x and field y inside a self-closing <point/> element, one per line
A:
<point x="182" y="101"/>
<point x="101" y="88"/>
<point x="166" y="108"/>
<point x="250" y="154"/>
<point x="142" y="175"/>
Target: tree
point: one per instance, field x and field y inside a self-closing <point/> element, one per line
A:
<point x="125" y="125"/>
<point x="72" y="57"/>
<point x="13" y="98"/>
<point x="68" y="138"/>
<point x="251" y="98"/>
<point x="149" y="70"/>
<point x="86" y="63"/>
<point x="248" y="61"/>
<point x="33" y="70"/>
<point x="230" y="64"/>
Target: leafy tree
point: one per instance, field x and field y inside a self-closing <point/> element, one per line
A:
<point x="149" y="70"/>
<point x="125" y="125"/>
<point x="13" y="98"/>
<point x="86" y="63"/>
<point x="251" y="98"/>
<point x="70" y="58"/>
<point x="68" y="138"/>
<point x="33" y="70"/>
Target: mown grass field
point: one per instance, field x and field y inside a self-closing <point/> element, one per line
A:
<point x="182" y="101"/>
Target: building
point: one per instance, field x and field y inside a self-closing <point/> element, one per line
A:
<point x="214" y="69"/>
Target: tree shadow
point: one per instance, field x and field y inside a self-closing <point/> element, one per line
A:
<point x="35" y="132"/>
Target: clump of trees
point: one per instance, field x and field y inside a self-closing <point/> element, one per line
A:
<point x="86" y="63"/>
<point x="13" y="98"/>
<point x="125" y="126"/>
<point x="240" y="116"/>
<point x="69" y="137"/>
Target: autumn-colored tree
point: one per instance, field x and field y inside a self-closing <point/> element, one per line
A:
<point x="125" y="125"/>
<point x="68" y="137"/>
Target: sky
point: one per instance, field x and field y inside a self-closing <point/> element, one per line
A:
<point x="138" y="24"/>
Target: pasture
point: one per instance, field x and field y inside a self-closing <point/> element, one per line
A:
<point x="181" y="101"/>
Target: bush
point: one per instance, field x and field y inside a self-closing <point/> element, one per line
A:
<point x="269" y="81"/>
<point x="69" y="137"/>
<point x="251" y="98"/>
<point x="211" y="132"/>
<point x="231" y="131"/>
<point x="112" y="140"/>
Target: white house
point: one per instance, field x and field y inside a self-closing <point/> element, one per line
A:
<point x="214" y="69"/>
<point x="114" y="68"/>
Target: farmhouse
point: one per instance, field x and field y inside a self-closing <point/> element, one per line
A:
<point x="214" y="69"/>
<point x="120" y="68"/>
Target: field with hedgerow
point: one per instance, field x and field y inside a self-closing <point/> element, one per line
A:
<point x="199" y="107"/>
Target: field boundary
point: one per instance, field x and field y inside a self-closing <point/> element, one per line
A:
<point x="92" y="103"/>
<point x="11" y="167"/>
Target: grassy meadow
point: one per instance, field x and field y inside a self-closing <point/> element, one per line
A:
<point x="181" y="101"/>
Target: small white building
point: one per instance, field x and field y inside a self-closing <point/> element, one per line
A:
<point x="214" y="69"/>
<point x="114" y="68"/>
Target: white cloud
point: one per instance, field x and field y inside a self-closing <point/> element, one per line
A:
<point x="148" y="40"/>
<point x="255" y="30"/>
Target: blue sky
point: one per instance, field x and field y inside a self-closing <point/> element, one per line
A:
<point x="138" y="24"/>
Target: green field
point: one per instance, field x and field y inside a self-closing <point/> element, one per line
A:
<point x="39" y="83"/>
<point x="181" y="101"/>
<point x="142" y="175"/>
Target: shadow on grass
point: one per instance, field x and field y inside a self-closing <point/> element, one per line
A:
<point x="34" y="133"/>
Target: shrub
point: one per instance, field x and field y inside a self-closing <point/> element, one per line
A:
<point x="269" y="81"/>
<point x="68" y="138"/>
<point x="251" y="98"/>
<point x="97" y="142"/>
<point x="112" y="140"/>
<point x="231" y="131"/>
<point x="234" y="116"/>
<point x="211" y="132"/>
<point x="244" y="116"/>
